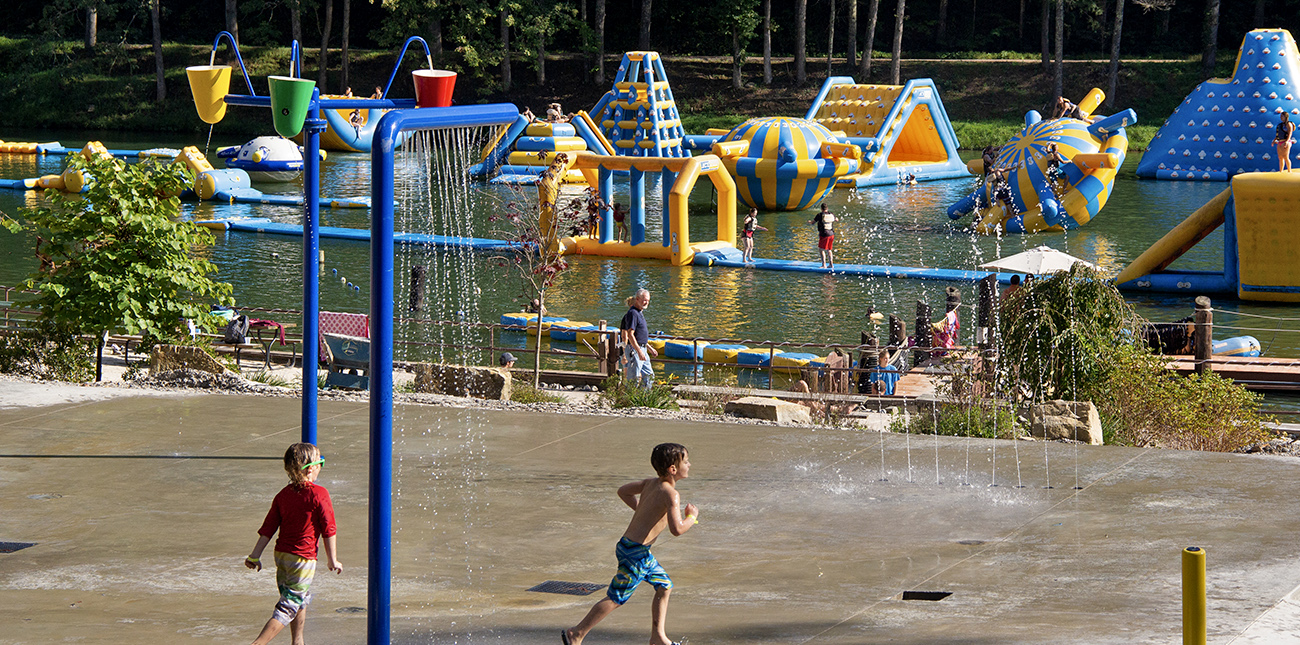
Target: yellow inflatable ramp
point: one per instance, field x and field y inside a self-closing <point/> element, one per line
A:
<point x="1177" y="241"/>
<point x="1267" y="207"/>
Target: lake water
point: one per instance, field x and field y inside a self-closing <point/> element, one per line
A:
<point x="902" y="226"/>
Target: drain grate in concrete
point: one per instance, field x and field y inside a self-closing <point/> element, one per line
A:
<point x="569" y="588"/>
<point x="350" y="610"/>
<point x="10" y="547"/>
<point x="926" y="595"/>
<point x="971" y="542"/>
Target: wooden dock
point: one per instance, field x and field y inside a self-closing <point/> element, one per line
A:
<point x="1257" y="374"/>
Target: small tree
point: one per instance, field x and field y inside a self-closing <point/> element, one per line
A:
<point x="536" y="254"/>
<point x="116" y="258"/>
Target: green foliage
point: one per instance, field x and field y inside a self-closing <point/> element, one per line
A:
<point x="956" y="420"/>
<point x="521" y="392"/>
<point x="1059" y="334"/>
<point x="703" y="121"/>
<point x="49" y="352"/>
<point x="622" y="394"/>
<point x="266" y="378"/>
<point x="1146" y="405"/>
<point x="116" y="259"/>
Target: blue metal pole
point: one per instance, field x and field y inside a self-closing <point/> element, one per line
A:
<point x="378" y="610"/>
<point x="637" y="208"/>
<point x="312" y="127"/>
<point x="606" y="190"/>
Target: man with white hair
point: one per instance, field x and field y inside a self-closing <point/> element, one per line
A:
<point x="636" y="335"/>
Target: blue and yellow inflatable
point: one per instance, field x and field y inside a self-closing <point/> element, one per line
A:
<point x="1090" y="151"/>
<point x="785" y="164"/>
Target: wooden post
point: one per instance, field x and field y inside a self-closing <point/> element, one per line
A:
<point x="923" y="338"/>
<point x="609" y="366"/>
<point x="986" y="302"/>
<point x="1203" y="335"/>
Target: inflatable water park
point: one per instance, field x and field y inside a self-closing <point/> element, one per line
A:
<point x="1225" y="127"/>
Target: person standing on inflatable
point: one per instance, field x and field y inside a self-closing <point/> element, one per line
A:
<point x="1285" y="128"/>
<point x="747" y="236"/>
<point x="825" y="222"/>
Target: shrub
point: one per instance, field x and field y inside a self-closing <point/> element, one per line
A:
<point x="1146" y="405"/>
<point x="48" y="352"/>
<point x="620" y="394"/>
<point x="956" y="420"/>
<point x="266" y="378"/>
<point x="522" y="392"/>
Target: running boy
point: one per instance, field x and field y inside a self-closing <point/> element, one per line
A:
<point x="302" y="512"/>
<point x="657" y="508"/>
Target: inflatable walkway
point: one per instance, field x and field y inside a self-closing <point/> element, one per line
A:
<point x="523" y="150"/>
<point x="1260" y="213"/>
<point x="639" y="116"/>
<point x="1225" y="127"/>
<point x="902" y="130"/>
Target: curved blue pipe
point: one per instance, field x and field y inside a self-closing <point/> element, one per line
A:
<point x="387" y="133"/>
<point x="398" y="64"/>
<point x="235" y="46"/>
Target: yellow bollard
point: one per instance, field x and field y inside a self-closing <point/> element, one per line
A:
<point x="1193" y="596"/>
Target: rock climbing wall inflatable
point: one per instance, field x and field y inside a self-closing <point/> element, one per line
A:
<point x="1226" y="126"/>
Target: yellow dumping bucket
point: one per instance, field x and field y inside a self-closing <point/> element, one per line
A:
<point x="209" y="84"/>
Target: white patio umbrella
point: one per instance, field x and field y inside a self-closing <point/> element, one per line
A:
<point x="1038" y="261"/>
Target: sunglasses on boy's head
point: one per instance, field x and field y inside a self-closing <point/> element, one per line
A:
<point x="319" y="460"/>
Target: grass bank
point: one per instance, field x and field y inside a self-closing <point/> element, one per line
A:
<point x="58" y="85"/>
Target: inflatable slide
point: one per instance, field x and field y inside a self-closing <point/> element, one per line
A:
<point x="1225" y="127"/>
<point x="1260" y="213"/>
<point x="521" y="151"/>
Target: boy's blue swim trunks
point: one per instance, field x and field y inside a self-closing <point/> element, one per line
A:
<point x="635" y="565"/>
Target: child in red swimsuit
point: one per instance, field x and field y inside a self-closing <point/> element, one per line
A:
<point x="302" y="513"/>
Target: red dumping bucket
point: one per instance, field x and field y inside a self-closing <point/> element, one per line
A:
<point x="433" y="87"/>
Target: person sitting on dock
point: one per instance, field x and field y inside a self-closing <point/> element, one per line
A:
<point x="945" y="331"/>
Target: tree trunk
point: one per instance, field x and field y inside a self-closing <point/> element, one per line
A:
<point x="435" y="38"/>
<point x="896" y="63"/>
<point x="643" y="43"/>
<point x="505" y="48"/>
<point x="1258" y="22"/>
<point x="853" y="35"/>
<point x="295" y="21"/>
<point x="800" y="41"/>
<point x="974" y="16"/>
<point x="1211" y="38"/>
<point x="347" y="26"/>
<point x="1058" y="77"/>
<point x="586" y="44"/>
<point x="1020" y="24"/>
<point x="1114" y="52"/>
<point x="157" y="50"/>
<point x="326" y="26"/>
<point x="864" y="68"/>
<point x="232" y="19"/>
<point x="1045" y="34"/>
<point x="736" y="60"/>
<point x="941" y="32"/>
<point x="767" y="42"/>
<point x="1162" y="22"/>
<point x="537" y="351"/>
<point x="541" y="57"/>
<point x="830" y="42"/>
<point x="600" y="42"/>
<point x="92" y="27"/>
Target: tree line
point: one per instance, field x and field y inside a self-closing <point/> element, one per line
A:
<point x="490" y="39"/>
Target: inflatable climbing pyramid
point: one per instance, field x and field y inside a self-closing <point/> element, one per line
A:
<point x="1226" y="126"/>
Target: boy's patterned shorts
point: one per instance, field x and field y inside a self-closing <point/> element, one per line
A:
<point x="635" y="565"/>
<point x="293" y="576"/>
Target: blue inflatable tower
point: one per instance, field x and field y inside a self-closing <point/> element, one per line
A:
<point x="639" y="116"/>
<point x="1225" y="127"/>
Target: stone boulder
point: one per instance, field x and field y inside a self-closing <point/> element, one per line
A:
<point x="167" y="358"/>
<point x="769" y="409"/>
<point x="462" y="380"/>
<point x="1076" y="420"/>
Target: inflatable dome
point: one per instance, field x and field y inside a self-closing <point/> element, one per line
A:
<point x="1090" y="151"/>
<point x="272" y="159"/>
<point x="785" y="164"/>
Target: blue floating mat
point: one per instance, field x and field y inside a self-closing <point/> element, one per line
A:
<point x="684" y="350"/>
<point x="263" y="225"/>
<point x="755" y="357"/>
<point x="569" y="333"/>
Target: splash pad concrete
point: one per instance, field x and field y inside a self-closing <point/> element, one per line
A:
<point x="142" y="509"/>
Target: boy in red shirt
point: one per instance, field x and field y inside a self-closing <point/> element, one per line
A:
<point x="302" y="512"/>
